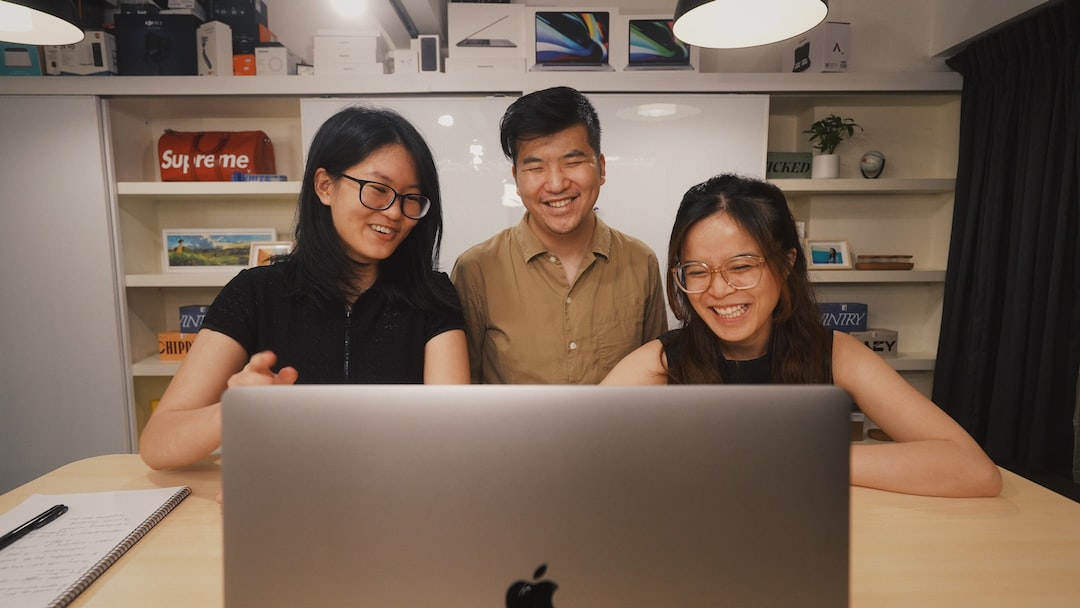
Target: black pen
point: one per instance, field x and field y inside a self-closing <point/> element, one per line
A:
<point x="38" y="522"/>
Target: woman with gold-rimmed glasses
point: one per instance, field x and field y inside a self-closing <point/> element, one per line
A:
<point x="740" y="286"/>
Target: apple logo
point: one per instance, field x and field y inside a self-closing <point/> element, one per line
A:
<point x="536" y="594"/>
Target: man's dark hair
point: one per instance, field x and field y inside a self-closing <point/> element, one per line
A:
<point x="547" y="112"/>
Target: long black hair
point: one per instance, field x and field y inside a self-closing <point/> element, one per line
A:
<point x="800" y="348"/>
<point x="320" y="260"/>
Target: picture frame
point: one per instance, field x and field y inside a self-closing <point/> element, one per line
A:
<point x="210" y="249"/>
<point x="828" y="254"/>
<point x="263" y="252"/>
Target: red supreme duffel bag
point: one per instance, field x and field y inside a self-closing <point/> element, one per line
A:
<point x="213" y="156"/>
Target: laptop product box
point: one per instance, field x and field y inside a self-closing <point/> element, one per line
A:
<point x="885" y="342"/>
<point x="823" y="49"/>
<point x="843" y="316"/>
<point x="94" y="55"/>
<point x="20" y="60"/>
<point x="156" y="45"/>
<point x="486" y="31"/>
<point x="275" y="59"/>
<point x="484" y="65"/>
<point x="214" y="52"/>
<point x="572" y="40"/>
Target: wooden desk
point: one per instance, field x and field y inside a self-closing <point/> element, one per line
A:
<point x="1020" y="549"/>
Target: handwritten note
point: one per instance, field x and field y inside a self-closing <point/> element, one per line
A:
<point x="43" y="567"/>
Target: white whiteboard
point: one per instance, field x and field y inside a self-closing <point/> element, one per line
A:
<point x="656" y="146"/>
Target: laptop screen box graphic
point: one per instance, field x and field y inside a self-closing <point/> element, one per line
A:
<point x="573" y="41"/>
<point x="689" y="496"/>
<point x="653" y="46"/>
<point x="474" y="41"/>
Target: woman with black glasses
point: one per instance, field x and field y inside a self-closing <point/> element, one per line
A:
<point x="738" y="282"/>
<point x="356" y="301"/>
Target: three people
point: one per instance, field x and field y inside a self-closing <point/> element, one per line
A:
<point x="561" y="297"/>
<point x="739" y="284"/>
<point x="356" y="301"/>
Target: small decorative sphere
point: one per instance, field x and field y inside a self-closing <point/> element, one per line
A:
<point x="872" y="164"/>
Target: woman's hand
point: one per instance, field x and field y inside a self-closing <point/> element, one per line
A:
<point x="258" y="372"/>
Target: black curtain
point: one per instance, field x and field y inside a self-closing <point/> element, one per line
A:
<point x="1009" y="351"/>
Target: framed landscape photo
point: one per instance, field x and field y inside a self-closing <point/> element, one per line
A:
<point x="828" y="254"/>
<point x="209" y="249"/>
<point x="264" y="252"/>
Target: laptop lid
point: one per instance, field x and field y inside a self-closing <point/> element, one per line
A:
<point x="476" y="40"/>
<point x="572" y="40"/>
<point x="653" y="45"/>
<point x="604" y="497"/>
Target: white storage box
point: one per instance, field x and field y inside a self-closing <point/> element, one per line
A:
<point x="275" y="61"/>
<point x="93" y="55"/>
<point x="823" y="49"/>
<point x="213" y="46"/>
<point x="484" y="65"/>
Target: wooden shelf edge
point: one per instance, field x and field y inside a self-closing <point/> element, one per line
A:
<point x="877" y="276"/>
<point x="153" y="366"/>
<point x="859" y="185"/>
<point x="190" y="189"/>
<point x="215" y="278"/>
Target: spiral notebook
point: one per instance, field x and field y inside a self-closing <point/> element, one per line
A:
<point x="97" y="529"/>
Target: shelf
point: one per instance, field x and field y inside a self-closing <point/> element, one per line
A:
<point x="154" y="366"/>
<point x="932" y="185"/>
<point x="511" y="82"/>
<point x="877" y="276"/>
<point x="913" y="362"/>
<point x="199" y="278"/>
<point x="188" y="190"/>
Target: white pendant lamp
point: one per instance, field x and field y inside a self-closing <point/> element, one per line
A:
<point x="733" y="24"/>
<point x="39" y="22"/>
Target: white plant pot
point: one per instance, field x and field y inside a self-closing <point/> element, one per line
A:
<point x="825" y="166"/>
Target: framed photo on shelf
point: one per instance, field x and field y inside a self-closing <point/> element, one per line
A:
<point x="210" y="249"/>
<point x="264" y="252"/>
<point x="828" y="254"/>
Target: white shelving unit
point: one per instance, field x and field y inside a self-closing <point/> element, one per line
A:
<point x="912" y="118"/>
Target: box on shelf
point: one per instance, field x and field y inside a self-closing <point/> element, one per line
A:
<point x="822" y="49"/>
<point x="486" y="31"/>
<point x="275" y="59"/>
<point x="885" y="342"/>
<point x="349" y="51"/>
<point x="215" y="54"/>
<point x="243" y="64"/>
<point x="156" y="45"/>
<point x="191" y="317"/>
<point x="787" y="165"/>
<point x="20" y="60"/>
<point x="402" y="61"/>
<point x="94" y="55"/>
<point x="249" y="21"/>
<point x="174" y="345"/>
<point x="481" y="65"/>
<point x="843" y="316"/>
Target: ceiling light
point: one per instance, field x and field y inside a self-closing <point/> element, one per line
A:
<point x="39" y="22"/>
<point x="733" y="24"/>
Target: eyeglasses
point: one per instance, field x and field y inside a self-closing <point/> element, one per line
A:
<point x="379" y="197"/>
<point x="739" y="272"/>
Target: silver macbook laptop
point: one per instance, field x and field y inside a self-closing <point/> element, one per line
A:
<point x="472" y="40"/>
<point x="653" y="46"/>
<point x="573" y="41"/>
<point x="536" y="496"/>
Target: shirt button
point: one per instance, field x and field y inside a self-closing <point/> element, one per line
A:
<point x="568" y="300"/>
<point x="553" y="259"/>
<point x="573" y="346"/>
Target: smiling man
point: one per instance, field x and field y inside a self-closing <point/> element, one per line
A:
<point x="561" y="297"/>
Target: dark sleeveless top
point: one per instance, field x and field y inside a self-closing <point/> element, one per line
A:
<point x="754" y="371"/>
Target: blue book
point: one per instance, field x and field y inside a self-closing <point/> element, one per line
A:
<point x="843" y="316"/>
<point x="191" y="318"/>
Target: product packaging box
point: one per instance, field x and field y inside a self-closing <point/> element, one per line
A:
<point x="214" y="53"/>
<point x="243" y="64"/>
<point x="843" y="316"/>
<point x="342" y="52"/>
<point x="95" y="55"/>
<point x="402" y="61"/>
<point x="787" y="165"/>
<point x="822" y="49"/>
<point x="174" y="345"/>
<point x="249" y="21"/>
<point x="152" y="45"/>
<point x="191" y="317"/>
<point x="275" y="60"/>
<point x="485" y="30"/>
<point x="481" y="65"/>
<point x="885" y="342"/>
<point x="20" y="60"/>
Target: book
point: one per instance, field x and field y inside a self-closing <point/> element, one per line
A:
<point x="52" y="565"/>
<point x="174" y="345"/>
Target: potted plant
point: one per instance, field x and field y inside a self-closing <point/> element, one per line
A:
<point x="825" y="135"/>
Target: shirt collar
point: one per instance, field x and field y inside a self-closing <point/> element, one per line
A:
<point x="530" y="246"/>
